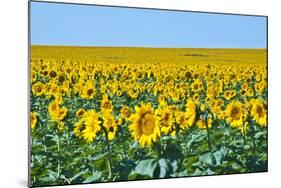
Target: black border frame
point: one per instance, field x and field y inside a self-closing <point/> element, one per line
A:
<point x="144" y="8"/>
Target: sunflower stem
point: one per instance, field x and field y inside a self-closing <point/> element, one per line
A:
<point x="58" y="149"/>
<point x="123" y="143"/>
<point x="187" y="133"/>
<point x="208" y="134"/>
<point x="109" y="168"/>
<point x="177" y="134"/>
<point x="244" y="132"/>
<point x="109" y="164"/>
<point x="209" y="139"/>
<point x="157" y="149"/>
<point x="253" y="139"/>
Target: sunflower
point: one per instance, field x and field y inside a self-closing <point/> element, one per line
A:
<point x="33" y="119"/>
<point x="53" y="108"/>
<point x="202" y="124"/>
<point x="110" y="125"/>
<point x="78" y="129"/>
<point x="38" y="89"/>
<point x="53" y="74"/>
<point x="92" y="126"/>
<point x="144" y="127"/>
<point x="88" y="90"/>
<point x="190" y="112"/>
<point x="181" y="119"/>
<point x="250" y="92"/>
<point x="61" y="113"/>
<point x="196" y="98"/>
<point x="203" y="107"/>
<point x="56" y="112"/>
<point x="196" y="85"/>
<point x="58" y="98"/>
<point x="33" y="76"/>
<point x="166" y="119"/>
<point x="125" y="112"/>
<point x="54" y="90"/>
<point x="228" y="94"/>
<point x="234" y="113"/>
<point x="243" y="92"/>
<point x="175" y="94"/>
<point x="119" y="121"/>
<point x="233" y="93"/>
<point x="106" y="104"/>
<point x="258" y="112"/>
<point x="61" y="126"/>
<point x="80" y="113"/>
<point x="216" y="109"/>
<point x="162" y="100"/>
<point x="119" y="92"/>
<point x="245" y="86"/>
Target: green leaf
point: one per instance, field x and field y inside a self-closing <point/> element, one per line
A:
<point x="180" y="174"/>
<point x="190" y="160"/>
<point x="99" y="156"/>
<point x="195" y="138"/>
<point x="220" y="155"/>
<point x="135" y="176"/>
<point x="208" y="158"/>
<point x="164" y="167"/>
<point x="95" y="177"/>
<point x="77" y="175"/>
<point x="260" y="134"/>
<point x="146" y="167"/>
<point x="51" y="177"/>
<point x="172" y="153"/>
<point x="124" y="168"/>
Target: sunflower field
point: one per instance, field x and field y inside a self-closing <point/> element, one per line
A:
<point x="116" y="114"/>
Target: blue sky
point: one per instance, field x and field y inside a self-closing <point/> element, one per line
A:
<point x="79" y="25"/>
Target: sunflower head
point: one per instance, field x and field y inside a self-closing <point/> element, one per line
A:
<point x="181" y="119"/>
<point x="88" y="90"/>
<point x="125" y="112"/>
<point x="53" y="108"/>
<point x="33" y="120"/>
<point x="228" y="94"/>
<point x="202" y="124"/>
<point x="258" y="112"/>
<point x="165" y="119"/>
<point x="92" y="126"/>
<point x="78" y="129"/>
<point x="203" y="107"/>
<point x="53" y="74"/>
<point x="33" y="76"/>
<point x="61" y="126"/>
<point x="234" y="113"/>
<point x="106" y="104"/>
<point x="196" y="85"/>
<point x="144" y="127"/>
<point x="57" y="113"/>
<point x="38" y="89"/>
<point x="80" y="113"/>
<point x="110" y="125"/>
<point x="190" y="112"/>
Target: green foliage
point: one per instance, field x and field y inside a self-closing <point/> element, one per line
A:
<point x="61" y="158"/>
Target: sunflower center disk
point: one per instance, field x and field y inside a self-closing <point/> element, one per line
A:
<point x="147" y="124"/>
<point x="235" y="113"/>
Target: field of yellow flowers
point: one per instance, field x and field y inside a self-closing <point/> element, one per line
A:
<point x="112" y="114"/>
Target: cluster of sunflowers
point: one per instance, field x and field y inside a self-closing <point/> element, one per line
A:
<point x="91" y="109"/>
<point x="182" y="96"/>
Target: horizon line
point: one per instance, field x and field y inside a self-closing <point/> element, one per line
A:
<point x="100" y="46"/>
